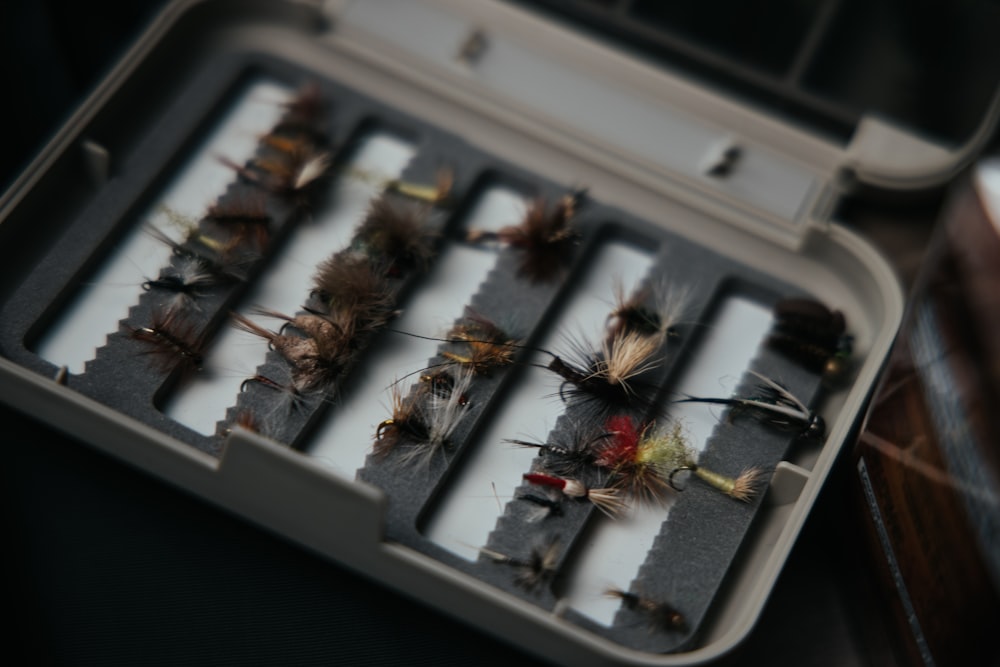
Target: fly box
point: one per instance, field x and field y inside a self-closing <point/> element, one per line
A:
<point x="548" y="338"/>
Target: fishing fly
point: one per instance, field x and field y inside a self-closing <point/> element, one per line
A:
<point x="396" y="234"/>
<point x="438" y="194"/>
<point x="652" y="311"/>
<point x="635" y="458"/>
<point x="545" y="237"/>
<point x="422" y="423"/>
<point x="351" y="284"/>
<point x="184" y="284"/>
<point x="608" y="500"/>
<point x="569" y="458"/>
<point x="301" y="162"/>
<point x="774" y="404"/>
<point x="743" y="487"/>
<point x="294" y="153"/>
<point x="283" y="174"/>
<point x="294" y="396"/>
<point x="611" y="376"/>
<point x="226" y="257"/>
<point x="646" y="461"/>
<point x="660" y="616"/>
<point x="488" y="346"/>
<point x="305" y="115"/>
<point x="333" y="333"/>
<point x="314" y="362"/>
<point x="813" y="335"/>
<point x="544" y="506"/>
<point x="172" y="341"/>
<point x="242" y="220"/>
<point x="441" y="383"/>
<point x="535" y="570"/>
<point x="184" y="256"/>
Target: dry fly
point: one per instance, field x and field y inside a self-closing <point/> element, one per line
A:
<point x="246" y="420"/>
<point x="172" y="341"/>
<point x="225" y="256"/>
<point x="742" y="487"/>
<point x="487" y="346"/>
<point x="242" y="220"/>
<point x="289" y="395"/>
<point x="645" y="461"/>
<point x="774" y="404"/>
<point x="305" y="115"/>
<point x="407" y="423"/>
<point x="564" y="460"/>
<point x="290" y="173"/>
<point x="187" y="255"/>
<point x="281" y="174"/>
<point x="184" y="284"/>
<point x="659" y="615"/>
<point x="293" y="394"/>
<point x="544" y="237"/>
<point x="635" y="458"/>
<point x="333" y="333"/>
<point x="534" y="571"/>
<point x="422" y="423"/>
<point x="813" y="335"/>
<point x="653" y="311"/>
<point x="609" y="376"/>
<point x="441" y="383"/>
<point x="299" y="164"/>
<point x="395" y="234"/>
<point x="607" y="500"/>
<point x="435" y="195"/>
<point x="351" y="284"/>
<point x="543" y="506"/>
<point x="310" y="368"/>
<point x="298" y="156"/>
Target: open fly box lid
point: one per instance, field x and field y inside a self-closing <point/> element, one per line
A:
<point x="199" y="134"/>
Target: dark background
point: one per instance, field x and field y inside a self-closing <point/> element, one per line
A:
<point x="110" y="567"/>
<point x="52" y="53"/>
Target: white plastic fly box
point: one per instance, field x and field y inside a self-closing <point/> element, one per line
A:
<point x="541" y="335"/>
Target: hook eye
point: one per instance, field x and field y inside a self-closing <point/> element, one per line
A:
<point x="670" y="479"/>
